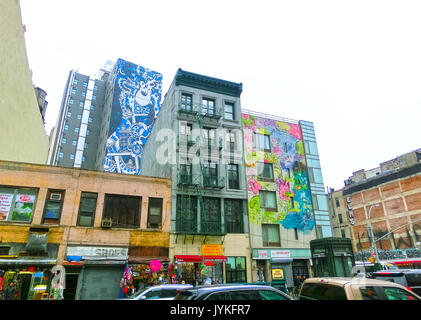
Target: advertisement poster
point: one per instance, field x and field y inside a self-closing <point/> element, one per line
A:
<point x="23" y="207"/>
<point x="5" y="204"/>
<point x="278" y="274"/>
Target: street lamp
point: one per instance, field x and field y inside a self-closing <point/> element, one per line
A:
<point x="370" y="230"/>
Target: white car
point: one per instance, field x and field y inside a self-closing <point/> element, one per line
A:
<point x="160" y="292"/>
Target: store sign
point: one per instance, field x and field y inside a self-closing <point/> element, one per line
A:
<point x="211" y="250"/>
<point x="5" y="204"/>
<point x="278" y="274"/>
<point x="99" y="253"/>
<point x="262" y="254"/>
<point x="23" y="207"/>
<point x="280" y="254"/>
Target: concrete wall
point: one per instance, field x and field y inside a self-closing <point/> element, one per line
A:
<point x="22" y="134"/>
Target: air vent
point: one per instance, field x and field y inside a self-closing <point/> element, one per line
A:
<point x="55" y="196"/>
<point x="106" y="223"/>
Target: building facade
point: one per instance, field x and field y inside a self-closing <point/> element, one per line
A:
<point x="284" y="206"/>
<point x="93" y="224"/>
<point x="341" y="223"/>
<point x="105" y="120"/>
<point x="387" y="199"/>
<point x="197" y="141"/>
<point x="22" y="134"/>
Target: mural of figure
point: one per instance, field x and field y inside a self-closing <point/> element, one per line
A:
<point x="136" y="103"/>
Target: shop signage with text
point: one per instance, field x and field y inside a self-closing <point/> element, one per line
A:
<point x="211" y="250"/>
<point x="280" y="254"/>
<point x="99" y="253"/>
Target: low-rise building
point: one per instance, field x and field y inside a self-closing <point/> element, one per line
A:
<point x="94" y="224"/>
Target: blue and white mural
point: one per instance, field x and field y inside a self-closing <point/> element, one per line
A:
<point x="136" y="103"/>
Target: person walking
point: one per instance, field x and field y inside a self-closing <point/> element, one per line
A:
<point x="11" y="291"/>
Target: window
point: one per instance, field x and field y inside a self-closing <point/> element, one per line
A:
<point x="79" y="116"/>
<point x="71" y="101"/>
<point x="271" y="295"/>
<point x="264" y="171"/>
<point x="296" y="233"/>
<point x="231" y="140"/>
<point x="155" y="213"/>
<point x="245" y="295"/>
<point x="77" y="130"/>
<point x="268" y="200"/>
<point x="63" y="140"/>
<point x="95" y="87"/>
<point x="89" y="119"/>
<point x="61" y="154"/>
<point x="208" y="106"/>
<point x="212" y="214"/>
<point x="87" y="208"/>
<point x="343" y="233"/>
<point x="261" y="142"/>
<point x="75" y="81"/>
<point x="73" y="91"/>
<point x="233" y="211"/>
<point x="88" y="132"/>
<point x="210" y="174"/>
<point x="186" y="213"/>
<point x="235" y="270"/>
<point x="186" y="102"/>
<point x="315" y="291"/>
<point x="83" y="159"/>
<point x="85" y="84"/>
<point x="229" y="111"/>
<point x="270" y="235"/>
<point x="69" y="114"/>
<point x="81" y="103"/>
<point x="209" y="135"/>
<point x="398" y="294"/>
<point x="218" y="296"/>
<point x="17" y="204"/>
<point x="92" y="107"/>
<point x="93" y="97"/>
<point x="124" y="211"/>
<point x="53" y="206"/>
<point x="74" y="143"/>
<point x="315" y="202"/>
<point x="337" y="202"/>
<point x="72" y="156"/>
<point x="66" y="127"/>
<point x="340" y="218"/>
<point x="233" y="178"/>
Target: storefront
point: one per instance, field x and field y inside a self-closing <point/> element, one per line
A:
<point x="101" y="271"/>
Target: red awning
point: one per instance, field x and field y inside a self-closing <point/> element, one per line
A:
<point x="215" y="259"/>
<point x="188" y="258"/>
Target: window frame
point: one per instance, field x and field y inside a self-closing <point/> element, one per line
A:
<point x="262" y="195"/>
<point x="206" y="107"/>
<point x="262" y="177"/>
<point x="232" y="113"/>
<point x="80" y="208"/>
<point x="148" y="223"/>
<point x="265" y="240"/>
<point x="48" y="201"/>
<point x="233" y="184"/>
<point x="136" y="217"/>
<point x="236" y="275"/>
<point x="183" y="104"/>
<point x="259" y="142"/>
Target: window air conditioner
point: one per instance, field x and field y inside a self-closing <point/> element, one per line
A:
<point x="55" y="196"/>
<point x="106" y="223"/>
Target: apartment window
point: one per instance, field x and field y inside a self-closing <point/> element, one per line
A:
<point x="212" y="215"/>
<point x="337" y="202"/>
<point x="208" y="106"/>
<point x="73" y="91"/>
<point x="79" y="116"/>
<point x="93" y="97"/>
<point x="89" y="119"/>
<point x="71" y="101"/>
<point x="83" y="93"/>
<point x="87" y="208"/>
<point x="210" y="174"/>
<point x="261" y="142"/>
<point x="53" y="206"/>
<point x="124" y="211"/>
<point x="63" y="140"/>
<point x="155" y="213"/>
<point x="17" y="204"/>
<point x="296" y="233"/>
<point x="186" y="102"/>
<point x="81" y="103"/>
<point x="233" y="211"/>
<point x="340" y="218"/>
<point x="61" y="154"/>
<point x="185" y="173"/>
<point x="264" y="171"/>
<point x="72" y="156"/>
<point x="83" y="159"/>
<point x="77" y="130"/>
<point x="209" y="134"/>
<point x="235" y="269"/>
<point x="69" y="114"/>
<point x="74" y="143"/>
<point x="231" y="140"/>
<point x="88" y="132"/>
<point x="343" y="233"/>
<point x="92" y="107"/>
<point x="268" y="200"/>
<point x="85" y="145"/>
<point x="229" y="111"/>
<point x="85" y="84"/>
<point x="270" y="235"/>
<point x="66" y="127"/>
<point x="75" y="81"/>
<point x="186" y="213"/>
<point x="95" y="87"/>
<point x="233" y="178"/>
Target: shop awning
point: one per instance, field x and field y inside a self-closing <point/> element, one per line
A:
<point x="215" y="259"/>
<point x="188" y="258"/>
<point x="28" y="261"/>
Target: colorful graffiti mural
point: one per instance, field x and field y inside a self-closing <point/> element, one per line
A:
<point x="136" y="103"/>
<point x="289" y="180"/>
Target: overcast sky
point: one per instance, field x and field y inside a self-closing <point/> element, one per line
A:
<point x="353" y="68"/>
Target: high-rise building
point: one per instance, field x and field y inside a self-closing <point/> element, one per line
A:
<point x="287" y="207"/>
<point x="104" y="120"/>
<point x="197" y="142"/>
<point x="22" y="134"/>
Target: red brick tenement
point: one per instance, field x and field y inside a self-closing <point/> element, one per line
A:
<point x="398" y="196"/>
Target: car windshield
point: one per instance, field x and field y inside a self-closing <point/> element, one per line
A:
<point x="413" y="279"/>
<point x="136" y="294"/>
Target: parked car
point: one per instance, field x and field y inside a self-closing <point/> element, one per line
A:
<point x="232" y="292"/>
<point x="160" y="292"/>
<point x="357" y="288"/>
<point x="409" y="278"/>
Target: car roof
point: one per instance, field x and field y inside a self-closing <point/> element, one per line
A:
<point x="232" y="286"/>
<point x="341" y="281"/>
<point x="171" y="286"/>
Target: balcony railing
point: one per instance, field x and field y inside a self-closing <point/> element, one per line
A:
<point x="186" y="110"/>
<point x="187" y="180"/>
<point x="213" y="114"/>
<point x="213" y="182"/>
<point x="188" y="226"/>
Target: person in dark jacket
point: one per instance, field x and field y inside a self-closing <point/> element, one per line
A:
<point x="11" y="291"/>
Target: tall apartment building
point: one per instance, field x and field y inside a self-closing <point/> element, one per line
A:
<point x="22" y="134"/>
<point x="105" y="120"/>
<point x="286" y="206"/>
<point x="197" y="141"/>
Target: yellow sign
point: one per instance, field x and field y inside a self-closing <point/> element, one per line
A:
<point x="277" y="274"/>
<point x="211" y="250"/>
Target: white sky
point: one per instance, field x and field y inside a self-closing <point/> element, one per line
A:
<point x="353" y="68"/>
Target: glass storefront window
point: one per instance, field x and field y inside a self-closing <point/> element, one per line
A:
<point x="17" y="204"/>
<point x="236" y="269"/>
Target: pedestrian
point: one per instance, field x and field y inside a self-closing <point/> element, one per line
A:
<point x="11" y="291"/>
